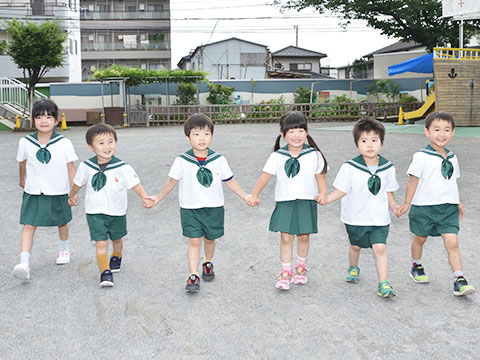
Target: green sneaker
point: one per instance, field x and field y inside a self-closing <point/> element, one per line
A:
<point x="353" y="274"/>
<point x="461" y="287"/>
<point x="385" y="290"/>
<point x="418" y="274"/>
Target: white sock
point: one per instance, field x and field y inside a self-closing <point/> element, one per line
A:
<point x="25" y="257"/>
<point x="64" y="245"/>
<point x="418" y="262"/>
<point x="457" y="273"/>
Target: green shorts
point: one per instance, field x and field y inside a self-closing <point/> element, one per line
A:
<point x="295" y="217"/>
<point x="103" y="227"/>
<point x="366" y="236"/>
<point x="434" y="220"/>
<point x="204" y="222"/>
<point x="45" y="210"/>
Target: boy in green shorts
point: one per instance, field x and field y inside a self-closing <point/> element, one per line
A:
<point x="200" y="173"/>
<point x="366" y="184"/>
<point x="436" y="206"/>
<point x="108" y="179"/>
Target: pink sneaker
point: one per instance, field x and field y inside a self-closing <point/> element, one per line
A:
<point x="63" y="257"/>
<point x="284" y="280"/>
<point x="300" y="277"/>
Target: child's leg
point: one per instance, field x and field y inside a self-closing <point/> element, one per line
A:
<point x="302" y="245"/>
<point x="27" y="238"/>
<point x="300" y="276"/>
<point x="117" y="247"/>
<point x="286" y="248"/>
<point x="102" y="255"/>
<point x="63" y="232"/>
<point x="354" y="255"/>
<point x="454" y="258"/>
<point x="64" y="254"/>
<point x="209" y="247"/>
<point x="194" y="254"/>
<point x="381" y="261"/>
<point x="22" y="270"/>
<point x="417" y="247"/>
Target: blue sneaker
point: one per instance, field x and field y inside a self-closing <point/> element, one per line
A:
<point x="115" y="264"/>
<point x="385" y="290"/>
<point x="353" y="273"/>
<point x="418" y="274"/>
<point x="106" y="279"/>
<point x="461" y="287"/>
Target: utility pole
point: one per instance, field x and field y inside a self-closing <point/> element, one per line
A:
<point x="296" y="34"/>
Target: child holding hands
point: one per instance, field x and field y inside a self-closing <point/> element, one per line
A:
<point x="200" y="173"/>
<point x="300" y="170"/>
<point x="107" y="179"/>
<point x="433" y="194"/>
<point x="366" y="184"/>
<point x="46" y="173"/>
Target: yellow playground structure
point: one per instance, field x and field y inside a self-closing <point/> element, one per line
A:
<point x="421" y="112"/>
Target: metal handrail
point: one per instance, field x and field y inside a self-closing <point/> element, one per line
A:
<point x="15" y="94"/>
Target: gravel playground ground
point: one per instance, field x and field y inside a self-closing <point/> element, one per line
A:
<point x="61" y="313"/>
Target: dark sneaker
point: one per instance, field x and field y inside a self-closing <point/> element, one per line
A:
<point x="418" y="274"/>
<point x="106" y="279"/>
<point x="193" y="284"/>
<point x="115" y="263"/>
<point x="207" y="273"/>
<point x="353" y="274"/>
<point x="461" y="287"/>
<point x="385" y="290"/>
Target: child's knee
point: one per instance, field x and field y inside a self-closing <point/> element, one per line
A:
<point x="195" y="242"/>
<point x="101" y="247"/>
<point x="379" y="249"/>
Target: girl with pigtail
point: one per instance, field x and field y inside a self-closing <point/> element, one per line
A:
<point x="300" y="169"/>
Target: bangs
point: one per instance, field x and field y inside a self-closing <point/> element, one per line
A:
<point x="293" y="120"/>
<point x="45" y="107"/>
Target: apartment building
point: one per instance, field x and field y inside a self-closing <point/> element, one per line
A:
<point x="133" y="33"/>
<point x="67" y="12"/>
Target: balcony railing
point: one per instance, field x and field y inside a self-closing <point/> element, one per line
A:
<point x="150" y="45"/>
<point x="86" y="14"/>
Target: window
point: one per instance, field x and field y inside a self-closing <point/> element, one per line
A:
<point x="70" y="45"/>
<point x="301" y="67"/>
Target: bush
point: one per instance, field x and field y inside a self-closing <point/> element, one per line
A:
<point x="407" y="99"/>
<point x="220" y="94"/>
<point x="302" y="95"/>
<point x="186" y="94"/>
<point x="267" y="109"/>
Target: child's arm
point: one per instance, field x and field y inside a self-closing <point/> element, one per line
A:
<point x="461" y="209"/>
<point x="167" y="187"/>
<point x="334" y="196"/>
<point x="393" y="203"/>
<point x="71" y="175"/>
<point x="140" y="191"/>
<point x="237" y="189"/>
<point x="322" y="188"/>
<point x="411" y="188"/>
<point x="23" y="171"/>
<point x="72" y="197"/>
<point x="261" y="183"/>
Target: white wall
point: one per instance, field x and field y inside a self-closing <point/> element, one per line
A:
<point x="381" y="62"/>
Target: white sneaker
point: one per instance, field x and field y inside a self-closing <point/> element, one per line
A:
<point x="22" y="271"/>
<point x="63" y="257"/>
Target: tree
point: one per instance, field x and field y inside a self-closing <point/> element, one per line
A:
<point x="388" y="88"/>
<point x="35" y="48"/>
<point x="410" y="20"/>
<point x="301" y="95"/>
<point x="186" y="94"/>
<point x="359" y="69"/>
<point x="219" y="94"/>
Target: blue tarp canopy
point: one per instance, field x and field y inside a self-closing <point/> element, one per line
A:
<point x="421" y="64"/>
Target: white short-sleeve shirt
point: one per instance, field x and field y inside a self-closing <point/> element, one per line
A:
<point x="112" y="198"/>
<point x="301" y="186"/>
<point x="50" y="178"/>
<point x="192" y="194"/>
<point x="433" y="188"/>
<point x="359" y="206"/>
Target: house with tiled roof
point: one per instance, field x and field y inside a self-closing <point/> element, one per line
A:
<point x="298" y="61"/>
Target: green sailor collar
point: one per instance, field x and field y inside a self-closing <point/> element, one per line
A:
<point x="374" y="182"/>
<point x="447" y="166"/>
<point x="204" y="175"/>
<point x="100" y="179"/>
<point x="292" y="165"/>
<point x="43" y="154"/>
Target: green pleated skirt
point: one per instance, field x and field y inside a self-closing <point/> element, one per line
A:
<point x="295" y="217"/>
<point x="45" y="210"/>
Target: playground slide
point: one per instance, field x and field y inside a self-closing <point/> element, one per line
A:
<point x="6" y="124"/>
<point x="423" y="111"/>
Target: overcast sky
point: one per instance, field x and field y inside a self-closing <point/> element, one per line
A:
<point x="201" y="22"/>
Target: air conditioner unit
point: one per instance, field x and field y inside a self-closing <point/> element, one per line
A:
<point x="141" y="6"/>
<point x="91" y="37"/>
<point x="120" y="37"/>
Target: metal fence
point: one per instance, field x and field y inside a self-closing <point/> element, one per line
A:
<point x="177" y="114"/>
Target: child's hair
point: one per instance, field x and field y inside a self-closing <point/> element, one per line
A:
<point x="197" y="121"/>
<point x="99" y="129"/>
<point x="297" y="120"/>
<point x="438" y="115"/>
<point x="45" y="106"/>
<point x="368" y="125"/>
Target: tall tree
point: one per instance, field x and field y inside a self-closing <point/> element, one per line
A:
<point x="410" y="20"/>
<point x="36" y="49"/>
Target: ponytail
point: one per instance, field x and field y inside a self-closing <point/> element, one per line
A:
<point x="277" y="143"/>
<point x="312" y="144"/>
